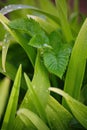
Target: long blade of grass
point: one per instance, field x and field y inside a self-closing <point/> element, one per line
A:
<point x="62" y="12"/>
<point x="40" y="125"/>
<point x="78" y="109"/>
<point x="14" y="7"/>
<point x="4" y="91"/>
<point x="12" y="104"/>
<point x="76" y="68"/>
<point x="49" y="6"/>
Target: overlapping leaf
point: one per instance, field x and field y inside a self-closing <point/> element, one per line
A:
<point x="20" y="38"/>
<point x="25" y="113"/>
<point x="26" y="25"/>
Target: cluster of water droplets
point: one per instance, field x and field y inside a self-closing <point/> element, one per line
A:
<point x="5" y="45"/>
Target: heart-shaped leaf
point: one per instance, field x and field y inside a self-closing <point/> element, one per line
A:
<point x="56" y="59"/>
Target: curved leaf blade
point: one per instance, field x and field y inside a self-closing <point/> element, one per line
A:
<point x="78" y="109"/>
<point x="14" y="7"/>
<point x="40" y="125"/>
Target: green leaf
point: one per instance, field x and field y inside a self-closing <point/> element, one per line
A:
<point x="41" y="81"/>
<point x="45" y="25"/>
<point x="48" y="6"/>
<point x="40" y="125"/>
<point x="40" y="85"/>
<point x="35" y="99"/>
<point x="26" y="25"/>
<point x="40" y="41"/>
<point x="12" y="104"/>
<point x="56" y="59"/>
<point x="76" y="68"/>
<point x="59" y="118"/>
<point x="62" y="11"/>
<point x="26" y="124"/>
<point x="78" y="109"/>
<point x="4" y="91"/>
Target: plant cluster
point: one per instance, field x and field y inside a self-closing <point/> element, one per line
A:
<point x="43" y="51"/>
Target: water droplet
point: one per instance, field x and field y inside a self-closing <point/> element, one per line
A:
<point x="3" y="47"/>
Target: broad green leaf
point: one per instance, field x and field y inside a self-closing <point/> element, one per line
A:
<point x="12" y="104"/>
<point x="40" y="125"/>
<point x="35" y="99"/>
<point x="4" y="91"/>
<point x="26" y="25"/>
<point x="62" y="13"/>
<point x="76" y="68"/>
<point x="56" y="59"/>
<point x="78" y="109"/>
<point x="59" y="118"/>
<point x="21" y="39"/>
<point x="14" y="7"/>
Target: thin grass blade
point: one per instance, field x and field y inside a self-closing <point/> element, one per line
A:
<point x="4" y="91"/>
<point x="62" y="14"/>
<point x="12" y="104"/>
<point x="76" y="68"/>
